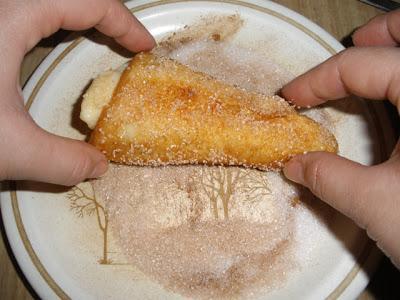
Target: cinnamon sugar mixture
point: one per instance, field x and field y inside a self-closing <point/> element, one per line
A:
<point x="210" y="232"/>
<point x="206" y="47"/>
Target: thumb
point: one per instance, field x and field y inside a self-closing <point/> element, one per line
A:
<point x="368" y="195"/>
<point x="41" y="156"/>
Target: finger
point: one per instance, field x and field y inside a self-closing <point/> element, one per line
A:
<point x="34" y="154"/>
<point x="331" y="178"/>
<point x="367" y="195"/>
<point x="366" y="72"/>
<point x="109" y="16"/>
<point x="383" y="30"/>
<point x="129" y="32"/>
<point x="112" y="18"/>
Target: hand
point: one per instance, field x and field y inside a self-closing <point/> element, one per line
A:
<point x="368" y="195"/>
<point x="27" y="151"/>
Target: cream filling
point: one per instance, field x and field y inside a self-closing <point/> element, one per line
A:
<point x="99" y="95"/>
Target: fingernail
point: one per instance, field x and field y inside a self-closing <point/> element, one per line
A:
<point x="100" y="169"/>
<point x="294" y="171"/>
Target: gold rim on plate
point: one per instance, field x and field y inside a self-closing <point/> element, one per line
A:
<point x="15" y="207"/>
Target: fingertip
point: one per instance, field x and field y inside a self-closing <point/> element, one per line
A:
<point x="293" y="170"/>
<point x="119" y="23"/>
<point x="98" y="161"/>
<point x="366" y="36"/>
<point x="358" y="37"/>
<point x="362" y="35"/>
<point x="53" y="159"/>
<point x="100" y="168"/>
<point x="312" y="170"/>
<point x="299" y="93"/>
<point x="285" y="93"/>
<point x="288" y="93"/>
<point x="378" y="31"/>
<point x="80" y="161"/>
<point x="149" y="43"/>
<point x="137" y="43"/>
<point x="137" y="38"/>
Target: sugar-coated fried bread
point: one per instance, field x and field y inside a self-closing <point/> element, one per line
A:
<point x="163" y="113"/>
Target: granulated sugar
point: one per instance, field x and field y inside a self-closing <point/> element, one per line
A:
<point x="205" y="46"/>
<point x="177" y="229"/>
<point x="234" y="65"/>
<point x="212" y="232"/>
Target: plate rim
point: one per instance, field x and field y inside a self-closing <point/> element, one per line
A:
<point x="45" y="69"/>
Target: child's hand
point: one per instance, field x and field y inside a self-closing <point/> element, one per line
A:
<point x="27" y="151"/>
<point x="368" y="195"/>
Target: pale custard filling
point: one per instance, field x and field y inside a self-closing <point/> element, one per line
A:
<point x="98" y="95"/>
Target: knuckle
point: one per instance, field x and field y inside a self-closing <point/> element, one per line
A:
<point x="125" y="28"/>
<point x="344" y="55"/>
<point x="315" y="175"/>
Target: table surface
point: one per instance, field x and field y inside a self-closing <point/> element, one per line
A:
<point x="338" y="17"/>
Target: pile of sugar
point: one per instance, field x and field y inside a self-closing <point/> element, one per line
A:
<point x="206" y="46"/>
<point x="234" y="65"/>
<point x="197" y="230"/>
<point x="167" y="227"/>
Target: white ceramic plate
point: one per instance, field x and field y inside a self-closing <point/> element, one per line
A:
<point x="62" y="255"/>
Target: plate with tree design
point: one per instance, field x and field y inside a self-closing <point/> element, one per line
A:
<point x="193" y="231"/>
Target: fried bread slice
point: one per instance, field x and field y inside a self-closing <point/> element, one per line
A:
<point x="163" y="113"/>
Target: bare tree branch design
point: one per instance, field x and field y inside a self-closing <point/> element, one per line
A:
<point x="196" y="208"/>
<point x="256" y="186"/>
<point x="221" y="183"/>
<point x="82" y="204"/>
<point x="210" y="190"/>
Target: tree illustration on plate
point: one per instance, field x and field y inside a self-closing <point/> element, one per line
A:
<point x="221" y="183"/>
<point x="84" y="205"/>
<point x="256" y="186"/>
<point x="196" y="206"/>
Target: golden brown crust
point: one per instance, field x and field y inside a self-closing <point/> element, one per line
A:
<point x="164" y="113"/>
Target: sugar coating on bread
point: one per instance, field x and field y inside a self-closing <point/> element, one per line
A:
<point x="163" y="113"/>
